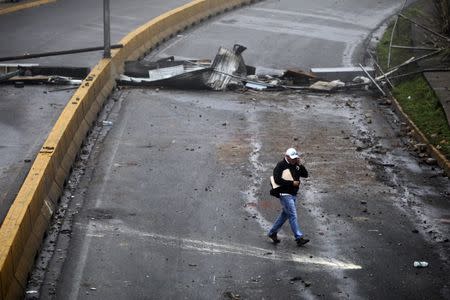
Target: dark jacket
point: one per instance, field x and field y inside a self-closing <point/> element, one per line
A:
<point x="286" y="186"/>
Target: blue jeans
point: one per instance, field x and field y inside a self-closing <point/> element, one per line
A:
<point x="289" y="212"/>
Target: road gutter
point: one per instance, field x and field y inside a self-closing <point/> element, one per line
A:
<point x="442" y="161"/>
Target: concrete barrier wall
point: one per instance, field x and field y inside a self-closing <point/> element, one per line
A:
<point x="23" y="229"/>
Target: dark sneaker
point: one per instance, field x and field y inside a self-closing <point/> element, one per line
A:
<point x="274" y="238"/>
<point x="301" y="241"/>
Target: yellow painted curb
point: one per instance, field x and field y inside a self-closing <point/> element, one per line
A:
<point x="442" y="161"/>
<point x="26" y="222"/>
<point x="17" y="7"/>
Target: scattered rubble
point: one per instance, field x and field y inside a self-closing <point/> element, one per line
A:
<point x="431" y="161"/>
<point x="298" y="278"/>
<point x="225" y="71"/>
<point x="228" y="71"/>
<point x="327" y="86"/>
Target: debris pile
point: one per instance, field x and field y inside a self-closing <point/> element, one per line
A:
<point x="228" y="71"/>
<point x="19" y="74"/>
<point x="225" y="71"/>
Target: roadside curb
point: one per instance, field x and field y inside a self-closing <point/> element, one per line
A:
<point x="442" y="161"/>
<point x="27" y="220"/>
<point x="17" y="7"/>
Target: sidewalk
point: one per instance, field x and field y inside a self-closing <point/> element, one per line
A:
<point x="439" y="81"/>
<point x="10" y="7"/>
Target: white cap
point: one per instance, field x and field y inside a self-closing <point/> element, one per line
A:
<point x="292" y="153"/>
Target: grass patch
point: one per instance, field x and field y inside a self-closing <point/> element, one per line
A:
<point x="398" y="56"/>
<point x="421" y="105"/>
<point x="413" y="93"/>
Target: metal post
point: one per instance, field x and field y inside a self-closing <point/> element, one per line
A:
<point x="373" y="80"/>
<point x="55" y="53"/>
<point x="392" y="35"/>
<point x="106" y="30"/>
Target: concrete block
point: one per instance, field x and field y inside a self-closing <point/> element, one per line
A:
<point x="91" y="114"/>
<point x="42" y="222"/>
<point x="36" y="204"/>
<point x="27" y="260"/>
<point x="23" y="230"/>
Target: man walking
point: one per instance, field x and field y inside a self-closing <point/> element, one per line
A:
<point x="287" y="190"/>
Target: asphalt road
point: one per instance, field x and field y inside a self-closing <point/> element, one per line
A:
<point x="27" y="115"/>
<point x="173" y="203"/>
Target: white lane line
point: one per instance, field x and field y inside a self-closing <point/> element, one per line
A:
<point x="350" y="37"/>
<point x="250" y="195"/>
<point x="316" y="31"/>
<point x="347" y="55"/>
<point x="216" y="248"/>
<point x="349" y="19"/>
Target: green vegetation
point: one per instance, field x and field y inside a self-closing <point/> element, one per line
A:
<point x="413" y="92"/>
<point x="402" y="36"/>
<point x="398" y="56"/>
<point x="420" y="103"/>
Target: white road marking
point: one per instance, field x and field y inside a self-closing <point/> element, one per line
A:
<point x="256" y="169"/>
<point x="349" y="20"/>
<point x="316" y="31"/>
<point x="351" y="37"/>
<point x="216" y="248"/>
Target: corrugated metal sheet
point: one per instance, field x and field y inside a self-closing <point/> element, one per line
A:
<point x="226" y="63"/>
<point x="227" y="67"/>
